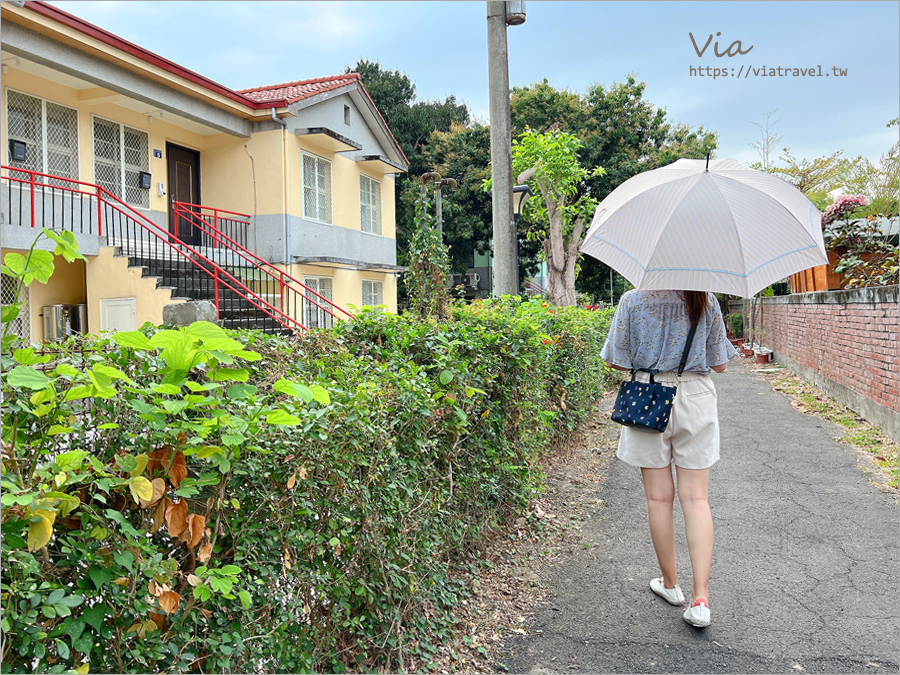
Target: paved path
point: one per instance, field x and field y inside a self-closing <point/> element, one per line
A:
<point x="805" y="565"/>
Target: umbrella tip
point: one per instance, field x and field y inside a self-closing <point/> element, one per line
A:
<point x="707" y="160"/>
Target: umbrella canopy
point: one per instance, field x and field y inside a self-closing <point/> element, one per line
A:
<point x="706" y="226"/>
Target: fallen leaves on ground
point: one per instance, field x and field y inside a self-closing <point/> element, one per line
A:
<point x="508" y="594"/>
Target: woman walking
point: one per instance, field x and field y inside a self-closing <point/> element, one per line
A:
<point x="650" y="330"/>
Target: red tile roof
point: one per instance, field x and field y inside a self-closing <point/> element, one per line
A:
<point x="296" y="91"/>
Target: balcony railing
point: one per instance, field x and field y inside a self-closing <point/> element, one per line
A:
<point x="220" y="268"/>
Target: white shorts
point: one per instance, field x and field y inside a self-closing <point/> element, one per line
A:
<point x="691" y="439"/>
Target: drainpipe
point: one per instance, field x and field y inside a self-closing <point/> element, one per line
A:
<point x="284" y="165"/>
<point x="255" y="200"/>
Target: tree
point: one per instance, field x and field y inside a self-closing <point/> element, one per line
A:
<point x="880" y="183"/>
<point x="412" y="122"/>
<point x="560" y="205"/>
<point x="621" y="131"/>
<point x="464" y="154"/>
<point x="768" y="141"/>
<point x="815" y="178"/>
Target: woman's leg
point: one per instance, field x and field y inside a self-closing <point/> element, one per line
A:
<point x="693" y="493"/>
<point x="660" y="490"/>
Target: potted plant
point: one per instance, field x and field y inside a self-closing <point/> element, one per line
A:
<point x="734" y="322"/>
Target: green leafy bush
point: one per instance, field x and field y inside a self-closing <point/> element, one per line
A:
<point x="215" y="501"/>
<point x="735" y="322"/>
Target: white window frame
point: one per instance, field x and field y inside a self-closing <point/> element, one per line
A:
<point x="123" y="187"/>
<point x="303" y="156"/>
<point x="376" y="283"/>
<point x="307" y="306"/>
<point x="376" y="189"/>
<point x="44" y="146"/>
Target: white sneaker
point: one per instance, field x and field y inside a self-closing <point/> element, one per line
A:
<point x="673" y="596"/>
<point x="698" y="613"/>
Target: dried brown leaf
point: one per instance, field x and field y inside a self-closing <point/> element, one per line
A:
<point x="159" y="461"/>
<point x="159" y="514"/>
<point x="292" y="481"/>
<point x="170" y="601"/>
<point x="176" y="518"/>
<point x="159" y="620"/>
<point x="302" y="473"/>
<point x="204" y="552"/>
<point x="178" y="470"/>
<point x="193" y="579"/>
<point x="193" y="533"/>
<point x="159" y="490"/>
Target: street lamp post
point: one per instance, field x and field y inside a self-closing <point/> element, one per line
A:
<point x="499" y="15"/>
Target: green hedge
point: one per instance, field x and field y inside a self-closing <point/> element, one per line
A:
<point x="196" y="507"/>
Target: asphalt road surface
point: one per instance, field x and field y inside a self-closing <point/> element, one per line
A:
<point x="805" y="564"/>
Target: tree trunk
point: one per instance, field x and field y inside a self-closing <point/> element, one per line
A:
<point x="562" y="259"/>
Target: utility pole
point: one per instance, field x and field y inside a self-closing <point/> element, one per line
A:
<point x="504" y="245"/>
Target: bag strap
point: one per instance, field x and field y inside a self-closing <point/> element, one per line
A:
<point x="687" y="349"/>
<point x="684" y="358"/>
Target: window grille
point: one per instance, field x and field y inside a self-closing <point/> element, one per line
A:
<point x="107" y="156"/>
<point x="23" y="123"/>
<point x="370" y="205"/>
<point x="313" y="315"/>
<point x="316" y="188"/>
<point x="62" y="141"/>
<point x="50" y="134"/>
<point x="21" y="325"/>
<point x="372" y="292"/>
<point x="120" y="154"/>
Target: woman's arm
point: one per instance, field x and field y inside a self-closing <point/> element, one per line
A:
<point x="720" y="369"/>
<point x="613" y="365"/>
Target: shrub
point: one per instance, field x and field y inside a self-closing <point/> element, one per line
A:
<point x="735" y="322"/>
<point x="205" y="500"/>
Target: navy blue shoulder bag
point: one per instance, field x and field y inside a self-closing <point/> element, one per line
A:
<point x="646" y="406"/>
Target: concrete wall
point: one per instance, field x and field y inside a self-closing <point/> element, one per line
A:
<point x="110" y="277"/>
<point x="845" y="343"/>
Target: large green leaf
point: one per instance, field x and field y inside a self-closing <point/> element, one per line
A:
<point x="25" y="376"/>
<point x="207" y="331"/>
<point x="113" y="373"/>
<point x="179" y="352"/>
<point x="320" y="394"/>
<point x="132" y="338"/>
<point x="66" y="244"/>
<point x="229" y="374"/>
<point x="294" y="389"/>
<point x="10" y="312"/>
<point x="282" y="417"/>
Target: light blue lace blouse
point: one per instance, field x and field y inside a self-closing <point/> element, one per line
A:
<point x="650" y="329"/>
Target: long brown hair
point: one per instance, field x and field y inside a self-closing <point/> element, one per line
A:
<point x="696" y="302"/>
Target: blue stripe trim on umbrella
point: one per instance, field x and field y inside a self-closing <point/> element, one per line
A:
<point x="701" y="269"/>
<point x="619" y="249"/>
<point x="805" y="248"/>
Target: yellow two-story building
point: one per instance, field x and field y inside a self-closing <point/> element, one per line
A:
<point x="275" y="203"/>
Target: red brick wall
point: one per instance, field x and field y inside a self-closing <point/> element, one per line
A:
<point x="848" y="337"/>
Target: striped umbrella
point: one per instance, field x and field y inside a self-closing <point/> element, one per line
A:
<point x="706" y="226"/>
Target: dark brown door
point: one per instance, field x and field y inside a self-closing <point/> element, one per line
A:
<point x="184" y="186"/>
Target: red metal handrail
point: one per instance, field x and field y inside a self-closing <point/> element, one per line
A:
<point x="194" y="214"/>
<point x="110" y="200"/>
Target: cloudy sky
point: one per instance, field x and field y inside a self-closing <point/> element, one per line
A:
<point x="442" y="46"/>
